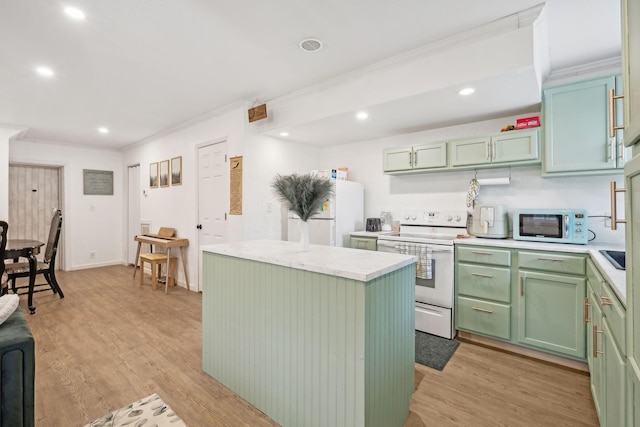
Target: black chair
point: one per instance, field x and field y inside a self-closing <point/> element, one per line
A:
<point x="46" y="267"/>
<point x="3" y="245"/>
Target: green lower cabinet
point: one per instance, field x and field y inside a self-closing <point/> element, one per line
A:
<point x="615" y="380"/>
<point x="633" y="394"/>
<point x="366" y="243"/>
<point x="594" y="348"/>
<point x="550" y="311"/>
<point x="484" y="317"/>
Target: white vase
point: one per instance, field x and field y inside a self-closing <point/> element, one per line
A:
<point x="304" y="236"/>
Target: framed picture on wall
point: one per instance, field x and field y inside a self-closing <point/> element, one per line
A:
<point x="164" y="173"/>
<point x="176" y="171"/>
<point x="153" y="175"/>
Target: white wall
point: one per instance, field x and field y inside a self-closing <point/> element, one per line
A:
<point x="263" y="157"/>
<point x="90" y="223"/>
<point x="5" y="136"/>
<point x="439" y="190"/>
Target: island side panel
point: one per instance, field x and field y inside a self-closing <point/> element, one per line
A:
<point x="390" y="347"/>
<point x="288" y="341"/>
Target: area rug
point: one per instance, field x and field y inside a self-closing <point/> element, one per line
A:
<point x="149" y="411"/>
<point x="434" y="351"/>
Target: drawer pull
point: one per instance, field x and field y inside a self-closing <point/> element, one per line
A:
<point x="481" y="253"/>
<point x="550" y="259"/>
<point x="596" y="331"/>
<point x="484" y="310"/>
<point x="605" y="301"/>
<point x="585" y="313"/>
<point x="482" y="275"/>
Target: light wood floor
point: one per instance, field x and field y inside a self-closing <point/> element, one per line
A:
<point x="110" y="342"/>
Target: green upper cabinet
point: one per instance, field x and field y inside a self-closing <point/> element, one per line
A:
<point x="580" y="128"/>
<point x="506" y="149"/>
<point x="631" y="69"/>
<point x="422" y="157"/>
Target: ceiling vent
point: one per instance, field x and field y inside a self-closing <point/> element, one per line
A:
<point x="310" y="45"/>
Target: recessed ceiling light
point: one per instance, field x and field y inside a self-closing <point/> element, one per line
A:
<point x="284" y="133"/>
<point x="467" y="91"/>
<point x="103" y="130"/>
<point x="44" y="71"/>
<point x="310" y="45"/>
<point x="362" y="115"/>
<point x="74" y="13"/>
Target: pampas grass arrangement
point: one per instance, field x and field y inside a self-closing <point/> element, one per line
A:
<point x="304" y="194"/>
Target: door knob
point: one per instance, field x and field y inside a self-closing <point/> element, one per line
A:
<point x="199" y="226"/>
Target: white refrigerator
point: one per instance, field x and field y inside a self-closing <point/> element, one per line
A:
<point x="339" y="216"/>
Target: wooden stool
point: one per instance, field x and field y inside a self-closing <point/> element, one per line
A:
<point x="156" y="261"/>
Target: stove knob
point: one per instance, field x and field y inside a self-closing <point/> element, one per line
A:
<point x="449" y="218"/>
<point x="458" y="219"/>
<point x="414" y="217"/>
<point x="406" y="216"/>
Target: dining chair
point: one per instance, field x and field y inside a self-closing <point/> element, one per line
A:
<point x="3" y="245"/>
<point x="46" y="267"/>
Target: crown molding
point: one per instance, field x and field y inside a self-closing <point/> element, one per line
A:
<point x="593" y="69"/>
<point x="188" y="123"/>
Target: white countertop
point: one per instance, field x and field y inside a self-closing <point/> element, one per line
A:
<point x="615" y="277"/>
<point x="369" y="233"/>
<point x="349" y="263"/>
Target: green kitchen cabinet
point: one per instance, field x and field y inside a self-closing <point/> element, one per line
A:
<point x="605" y="320"/>
<point x="580" y="121"/>
<point x="422" y="157"/>
<point x="632" y="226"/>
<point x="505" y="149"/>
<point x="550" y="312"/>
<point x="483" y="291"/>
<point x="594" y="348"/>
<point x="630" y="10"/>
<point x="366" y="243"/>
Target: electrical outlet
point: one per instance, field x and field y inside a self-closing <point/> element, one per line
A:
<point x="92" y="255"/>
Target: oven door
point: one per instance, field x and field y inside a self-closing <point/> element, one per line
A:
<point x="439" y="289"/>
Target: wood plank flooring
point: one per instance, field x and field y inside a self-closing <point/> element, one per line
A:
<point x="110" y="342"/>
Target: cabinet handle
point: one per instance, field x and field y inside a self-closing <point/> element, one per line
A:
<point x="614" y="211"/>
<point x="541" y="258"/>
<point x="481" y="253"/>
<point x="410" y="158"/>
<point x="521" y="287"/>
<point x="622" y="150"/>
<point x="486" y="149"/>
<point x="415" y="159"/>
<point x="596" y="331"/>
<point x="484" y="310"/>
<point x="611" y="152"/>
<point x="604" y="301"/>
<point x="612" y="113"/>
<point x="482" y="275"/>
<point x="493" y="149"/>
<point x="585" y="312"/>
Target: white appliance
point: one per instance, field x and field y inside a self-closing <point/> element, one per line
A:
<point x="429" y="235"/>
<point x="342" y="214"/>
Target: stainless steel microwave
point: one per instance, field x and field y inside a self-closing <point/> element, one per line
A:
<point x="551" y="225"/>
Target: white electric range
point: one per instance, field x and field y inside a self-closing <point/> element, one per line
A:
<point x="429" y="235"/>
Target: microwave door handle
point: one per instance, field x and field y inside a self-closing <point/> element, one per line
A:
<point x="566" y="226"/>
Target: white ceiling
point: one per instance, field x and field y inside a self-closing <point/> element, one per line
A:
<point x="140" y="67"/>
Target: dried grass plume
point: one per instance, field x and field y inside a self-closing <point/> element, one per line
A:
<point x="304" y="194"/>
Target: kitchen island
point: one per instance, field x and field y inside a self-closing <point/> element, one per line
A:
<point x="317" y="338"/>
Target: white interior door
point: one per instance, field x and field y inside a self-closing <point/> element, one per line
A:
<point x="134" y="213"/>
<point x="213" y="197"/>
